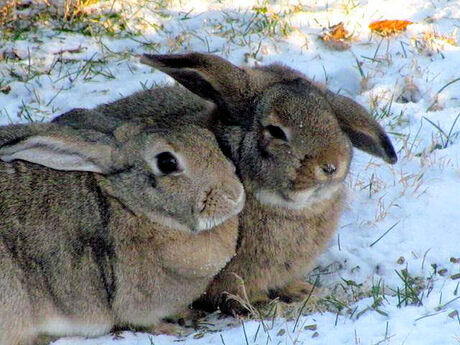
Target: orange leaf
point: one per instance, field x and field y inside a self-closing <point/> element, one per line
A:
<point x="389" y="27"/>
<point x="338" y="32"/>
<point x="335" y="37"/>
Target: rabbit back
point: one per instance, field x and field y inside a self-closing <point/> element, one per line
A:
<point x="48" y="254"/>
<point x="160" y="107"/>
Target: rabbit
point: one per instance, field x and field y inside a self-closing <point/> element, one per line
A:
<point x="291" y="142"/>
<point x="103" y="231"/>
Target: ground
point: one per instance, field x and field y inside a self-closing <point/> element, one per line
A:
<point x="391" y="275"/>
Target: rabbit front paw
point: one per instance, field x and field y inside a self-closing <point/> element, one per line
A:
<point x="296" y="291"/>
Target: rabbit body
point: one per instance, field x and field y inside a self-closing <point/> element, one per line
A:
<point x="291" y="142"/>
<point x="278" y="248"/>
<point x="81" y="252"/>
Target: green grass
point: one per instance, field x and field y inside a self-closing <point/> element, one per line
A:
<point x="80" y="18"/>
<point x="445" y="138"/>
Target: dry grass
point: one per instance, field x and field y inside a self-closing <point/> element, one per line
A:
<point x="89" y="17"/>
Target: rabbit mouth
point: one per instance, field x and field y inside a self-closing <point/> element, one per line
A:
<point x="298" y="199"/>
<point x="206" y="223"/>
<point x="209" y="223"/>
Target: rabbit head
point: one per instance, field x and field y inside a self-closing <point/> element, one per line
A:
<point x="178" y="178"/>
<point x="290" y="139"/>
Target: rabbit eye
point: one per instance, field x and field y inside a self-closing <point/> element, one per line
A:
<point x="167" y="163"/>
<point x="276" y="132"/>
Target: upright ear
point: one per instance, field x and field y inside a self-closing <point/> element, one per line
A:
<point x="61" y="148"/>
<point x="364" y="132"/>
<point x="208" y="76"/>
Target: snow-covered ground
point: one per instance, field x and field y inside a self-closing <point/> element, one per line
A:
<point x="393" y="270"/>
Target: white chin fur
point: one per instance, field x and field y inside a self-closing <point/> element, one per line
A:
<point x="168" y="222"/>
<point x="209" y="223"/>
<point x="297" y="200"/>
<point x="206" y="223"/>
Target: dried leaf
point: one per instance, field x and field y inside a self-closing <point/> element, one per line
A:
<point x="389" y="27"/>
<point x="442" y="272"/>
<point x="335" y="37"/>
<point x="453" y="314"/>
<point x="12" y="54"/>
<point x="311" y="327"/>
<point x="281" y="332"/>
<point x="338" y="32"/>
<point x="70" y="50"/>
<point x="5" y="89"/>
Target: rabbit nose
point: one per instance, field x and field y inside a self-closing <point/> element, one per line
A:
<point x="327" y="172"/>
<point x="328" y="169"/>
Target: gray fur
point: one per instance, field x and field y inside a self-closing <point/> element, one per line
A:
<point x="94" y="236"/>
<point x="290" y="140"/>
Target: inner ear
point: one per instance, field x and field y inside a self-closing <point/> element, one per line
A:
<point x="61" y="151"/>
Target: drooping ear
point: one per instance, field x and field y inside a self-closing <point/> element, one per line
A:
<point x="208" y="76"/>
<point x="12" y="134"/>
<point x="64" y="149"/>
<point x="364" y="132"/>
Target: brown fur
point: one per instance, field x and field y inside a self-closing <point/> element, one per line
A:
<point x="296" y="239"/>
<point x="290" y="140"/>
<point x="82" y="252"/>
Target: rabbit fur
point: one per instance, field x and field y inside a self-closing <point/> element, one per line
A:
<point x="101" y="231"/>
<point x="291" y="142"/>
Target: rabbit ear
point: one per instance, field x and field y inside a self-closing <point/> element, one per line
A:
<point x="65" y="150"/>
<point x="80" y="118"/>
<point x="208" y="76"/>
<point x="364" y="132"/>
<point x="12" y="134"/>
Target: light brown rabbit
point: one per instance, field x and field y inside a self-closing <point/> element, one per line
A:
<point x="291" y="142"/>
<point x="100" y="231"/>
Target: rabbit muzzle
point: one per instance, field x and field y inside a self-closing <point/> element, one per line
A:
<point x="317" y="179"/>
<point x="320" y="175"/>
<point x="217" y="205"/>
<point x="299" y="199"/>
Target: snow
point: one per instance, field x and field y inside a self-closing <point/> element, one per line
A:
<point x="418" y="198"/>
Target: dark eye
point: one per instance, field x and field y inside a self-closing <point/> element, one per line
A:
<point x="276" y="132"/>
<point x="167" y="163"/>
